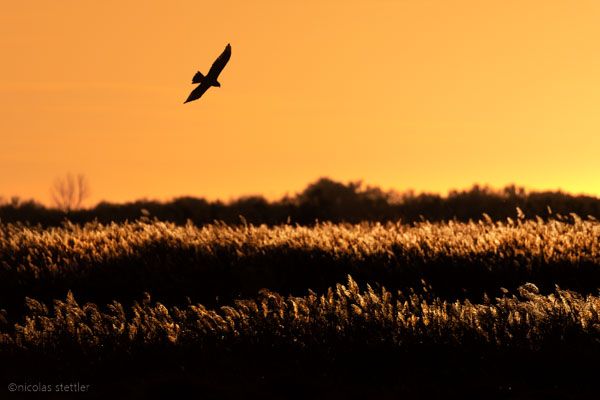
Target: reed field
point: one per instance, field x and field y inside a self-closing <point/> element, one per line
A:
<point x="448" y="309"/>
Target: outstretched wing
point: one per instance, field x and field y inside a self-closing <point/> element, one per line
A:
<point x="220" y="63"/>
<point x="198" y="77"/>
<point x="198" y="92"/>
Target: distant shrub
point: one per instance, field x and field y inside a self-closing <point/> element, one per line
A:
<point x="324" y="200"/>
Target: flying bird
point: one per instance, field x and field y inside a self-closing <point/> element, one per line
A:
<point x="211" y="78"/>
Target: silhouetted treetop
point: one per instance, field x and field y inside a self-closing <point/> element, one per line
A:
<point x="323" y="200"/>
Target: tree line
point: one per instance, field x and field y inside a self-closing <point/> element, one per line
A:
<point x="323" y="200"/>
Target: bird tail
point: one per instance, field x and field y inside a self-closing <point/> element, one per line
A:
<point x="198" y="77"/>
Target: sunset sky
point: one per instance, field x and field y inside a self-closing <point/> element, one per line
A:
<point x="403" y="94"/>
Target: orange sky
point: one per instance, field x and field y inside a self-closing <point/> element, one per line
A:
<point x="428" y="95"/>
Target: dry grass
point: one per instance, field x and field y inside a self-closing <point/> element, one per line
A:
<point x="123" y="260"/>
<point x="343" y="316"/>
<point x="425" y="289"/>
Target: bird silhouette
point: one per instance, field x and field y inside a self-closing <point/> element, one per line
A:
<point x="211" y="78"/>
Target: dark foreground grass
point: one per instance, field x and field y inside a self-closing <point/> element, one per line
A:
<point x="489" y="321"/>
<point x="346" y="340"/>
<point x="343" y="318"/>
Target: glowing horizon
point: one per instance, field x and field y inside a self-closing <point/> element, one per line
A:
<point x="421" y="95"/>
